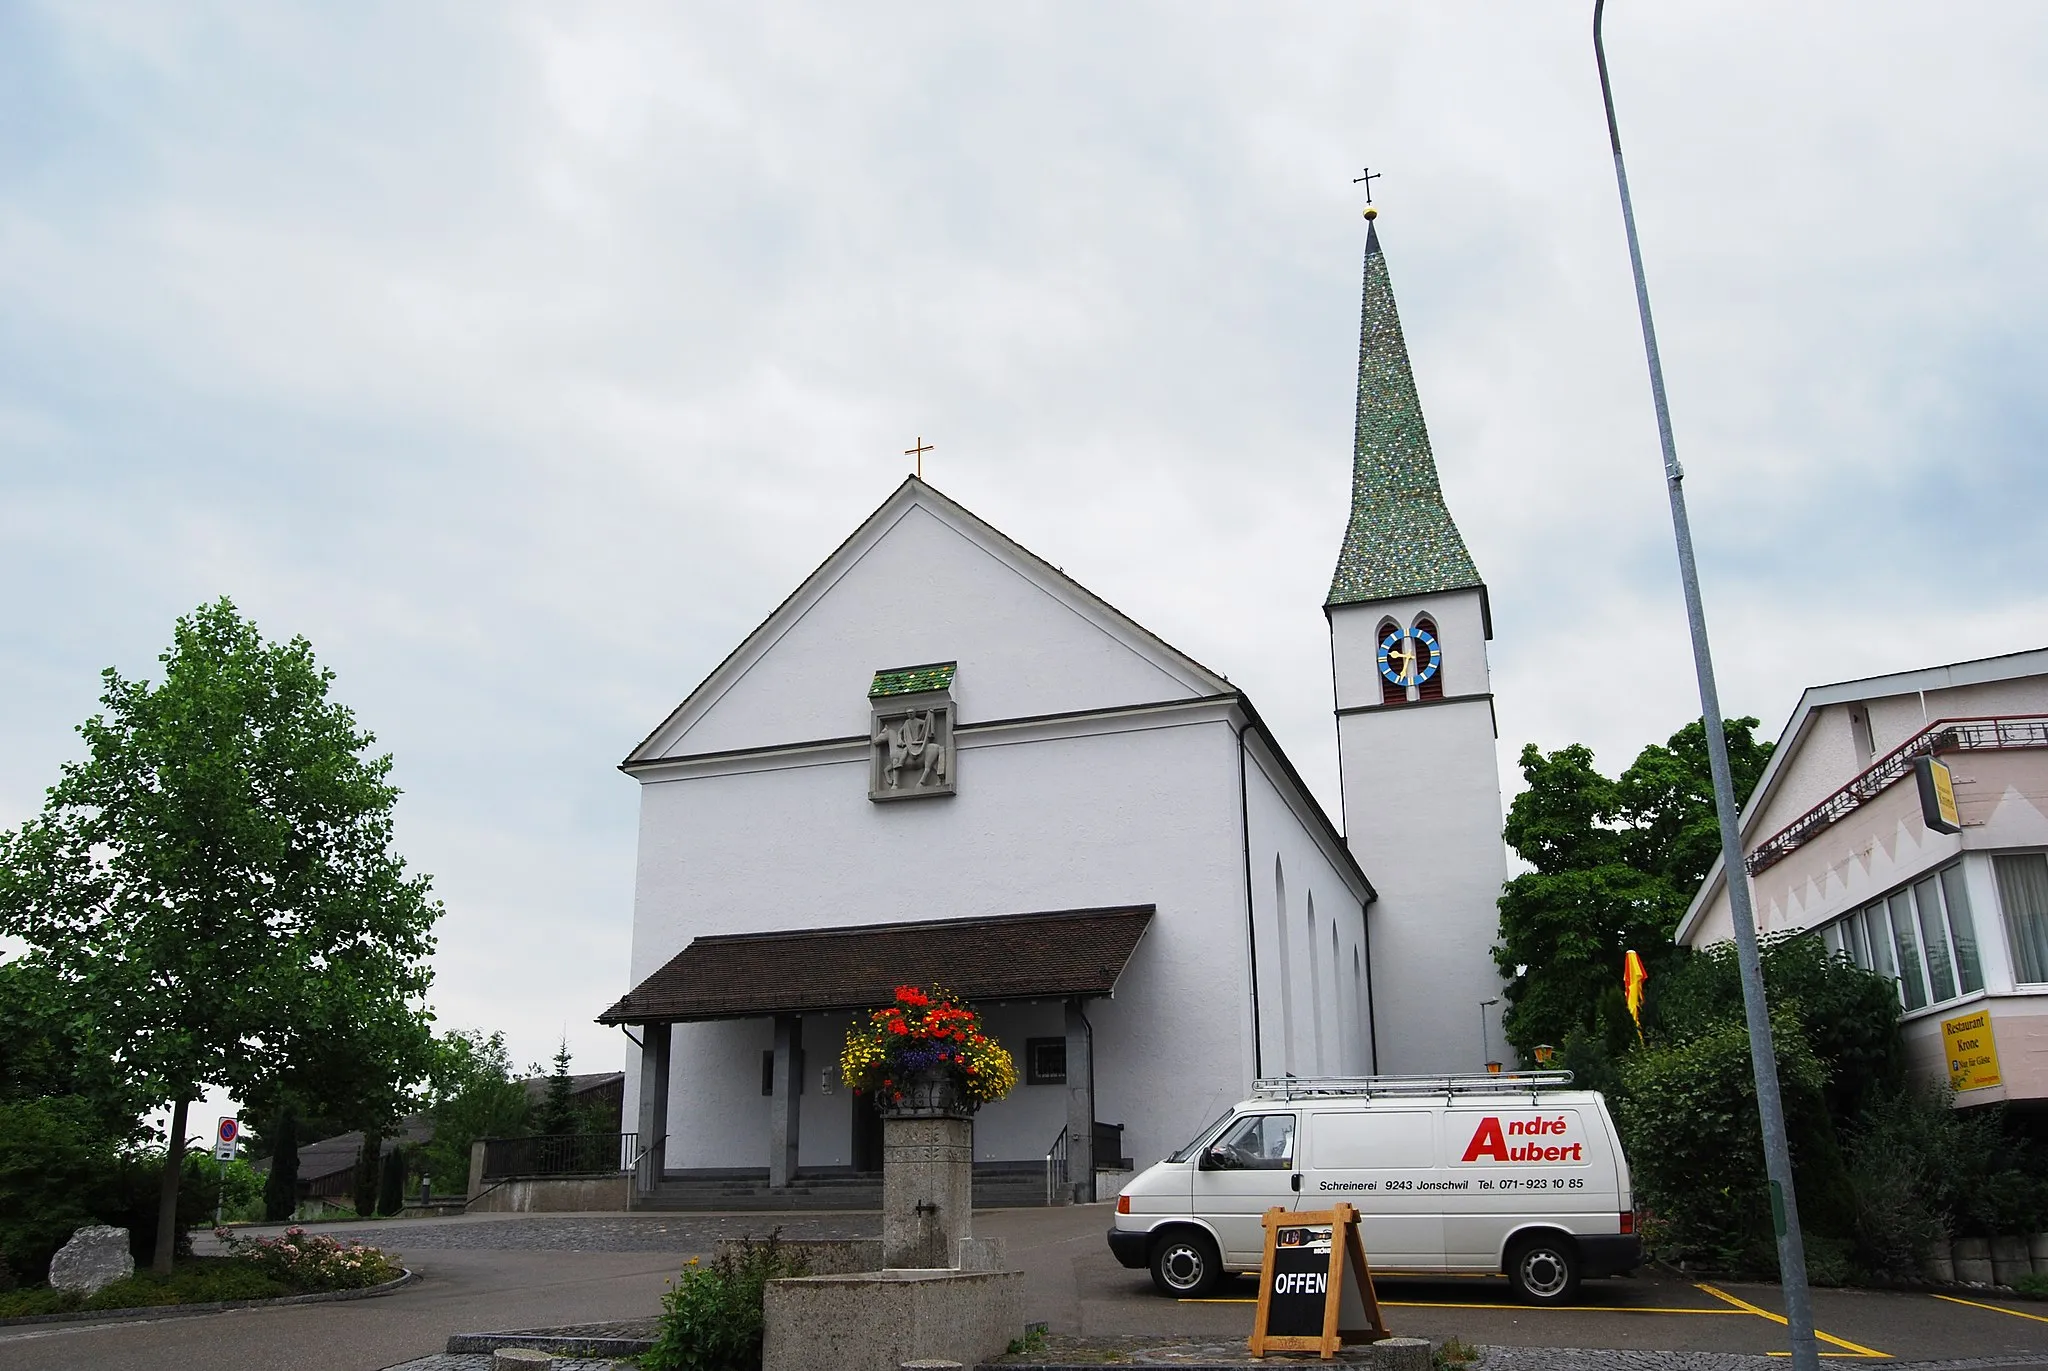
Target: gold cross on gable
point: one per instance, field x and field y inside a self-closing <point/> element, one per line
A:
<point x="918" y="452"/>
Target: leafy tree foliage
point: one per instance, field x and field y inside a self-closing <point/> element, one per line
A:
<point x="213" y="885"/>
<point x="473" y="1095"/>
<point x="1616" y="862"/>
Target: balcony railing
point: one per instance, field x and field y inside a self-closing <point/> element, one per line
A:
<point x="1944" y="735"/>
<point x="563" y="1154"/>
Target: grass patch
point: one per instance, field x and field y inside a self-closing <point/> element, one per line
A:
<point x="1453" y="1354"/>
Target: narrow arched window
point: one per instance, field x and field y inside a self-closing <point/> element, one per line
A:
<point x="1429" y="674"/>
<point x="1389" y="640"/>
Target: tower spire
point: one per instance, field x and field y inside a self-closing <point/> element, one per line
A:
<point x="1401" y="539"/>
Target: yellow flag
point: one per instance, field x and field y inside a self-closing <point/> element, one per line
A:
<point x="1633" y="976"/>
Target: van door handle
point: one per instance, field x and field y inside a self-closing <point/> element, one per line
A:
<point x="1297" y="1182"/>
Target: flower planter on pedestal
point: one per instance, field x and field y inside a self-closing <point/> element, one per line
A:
<point x="934" y="1093"/>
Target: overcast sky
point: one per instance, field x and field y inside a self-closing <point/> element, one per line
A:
<point x="524" y="356"/>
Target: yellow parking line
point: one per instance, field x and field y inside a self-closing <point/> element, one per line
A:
<point x="1853" y="1348"/>
<point x="1998" y="1307"/>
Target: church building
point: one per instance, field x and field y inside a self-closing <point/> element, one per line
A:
<point x="943" y="760"/>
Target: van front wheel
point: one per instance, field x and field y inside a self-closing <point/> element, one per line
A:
<point x="1186" y="1265"/>
<point x="1545" y="1269"/>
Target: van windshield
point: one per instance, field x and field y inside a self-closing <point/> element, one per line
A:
<point x="1202" y="1137"/>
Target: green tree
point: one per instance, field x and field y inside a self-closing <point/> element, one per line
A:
<point x="1616" y="862"/>
<point x="391" y="1183"/>
<point x="473" y="1095"/>
<point x="214" y="883"/>
<point x="558" y="1113"/>
<point x="281" y="1186"/>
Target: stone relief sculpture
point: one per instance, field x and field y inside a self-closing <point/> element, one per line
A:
<point x="911" y="742"/>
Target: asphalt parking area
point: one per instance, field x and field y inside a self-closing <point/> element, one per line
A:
<point x="1667" y="1312"/>
<point x="1077" y="1287"/>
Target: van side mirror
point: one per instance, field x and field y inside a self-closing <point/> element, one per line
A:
<point x="1214" y="1159"/>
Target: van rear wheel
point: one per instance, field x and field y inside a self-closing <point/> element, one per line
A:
<point x="1185" y="1264"/>
<point x="1545" y="1269"/>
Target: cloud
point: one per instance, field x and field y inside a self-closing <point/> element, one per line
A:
<point x="523" y="358"/>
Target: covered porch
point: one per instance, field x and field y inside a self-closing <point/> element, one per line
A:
<point x="728" y="1001"/>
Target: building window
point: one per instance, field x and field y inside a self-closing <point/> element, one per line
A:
<point x="2023" y="897"/>
<point x="1045" y="1061"/>
<point x="1920" y="937"/>
<point x="1433" y="688"/>
<point x="768" y="1072"/>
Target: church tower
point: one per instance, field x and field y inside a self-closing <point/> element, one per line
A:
<point x="1409" y="624"/>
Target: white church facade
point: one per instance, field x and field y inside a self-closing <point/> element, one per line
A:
<point x="1015" y="790"/>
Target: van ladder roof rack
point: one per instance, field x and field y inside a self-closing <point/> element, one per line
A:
<point x="1488" y="1083"/>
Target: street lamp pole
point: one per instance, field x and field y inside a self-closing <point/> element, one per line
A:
<point x="1763" y="1059"/>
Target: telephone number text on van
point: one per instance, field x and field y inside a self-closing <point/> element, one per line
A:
<point x="1536" y="1183"/>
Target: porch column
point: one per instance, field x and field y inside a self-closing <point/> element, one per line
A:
<point x="654" y="1062"/>
<point x="788" y="1096"/>
<point x="1080" y="1104"/>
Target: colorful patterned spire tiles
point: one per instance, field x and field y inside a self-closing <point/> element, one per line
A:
<point x="1401" y="540"/>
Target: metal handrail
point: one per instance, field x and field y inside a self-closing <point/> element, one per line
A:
<point x="1056" y="1167"/>
<point x="1488" y="1083"/>
<point x="561" y="1154"/>
<point x="1991" y="732"/>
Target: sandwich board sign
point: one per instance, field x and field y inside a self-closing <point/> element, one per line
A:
<point x="1315" y="1289"/>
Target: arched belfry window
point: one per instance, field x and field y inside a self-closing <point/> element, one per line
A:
<point x="1409" y="659"/>
<point x="1429" y="660"/>
<point x="1391" y="691"/>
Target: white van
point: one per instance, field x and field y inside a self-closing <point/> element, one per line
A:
<point x="1512" y="1173"/>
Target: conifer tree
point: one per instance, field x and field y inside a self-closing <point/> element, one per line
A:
<point x="281" y="1187"/>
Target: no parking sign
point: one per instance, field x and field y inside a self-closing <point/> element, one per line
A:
<point x="225" y="1135"/>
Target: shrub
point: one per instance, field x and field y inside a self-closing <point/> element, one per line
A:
<point x="711" y="1315"/>
<point x="54" y="1179"/>
<point x="135" y="1185"/>
<point x="2033" y="1286"/>
<point x="307" y="1261"/>
<point x="1688" y="1117"/>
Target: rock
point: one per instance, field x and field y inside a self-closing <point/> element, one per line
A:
<point x="518" y="1359"/>
<point x="94" y="1259"/>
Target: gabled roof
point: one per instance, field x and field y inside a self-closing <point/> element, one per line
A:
<point x="1195" y="678"/>
<point x="1075" y="952"/>
<point x="1401" y="539"/>
<point x="2012" y="666"/>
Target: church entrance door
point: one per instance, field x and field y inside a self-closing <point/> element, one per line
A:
<point x="867" y="1135"/>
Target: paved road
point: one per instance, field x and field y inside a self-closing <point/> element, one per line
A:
<point x="510" y="1271"/>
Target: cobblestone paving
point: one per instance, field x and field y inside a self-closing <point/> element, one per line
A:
<point x="481" y="1361"/>
<point x="688" y="1233"/>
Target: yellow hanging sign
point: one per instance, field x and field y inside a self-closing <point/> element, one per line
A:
<point x="1971" y="1051"/>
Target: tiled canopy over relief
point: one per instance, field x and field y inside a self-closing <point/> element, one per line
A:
<point x="909" y="680"/>
<point x="1401" y="540"/>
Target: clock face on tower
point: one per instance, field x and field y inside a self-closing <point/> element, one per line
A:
<point x="1408" y="657"/>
